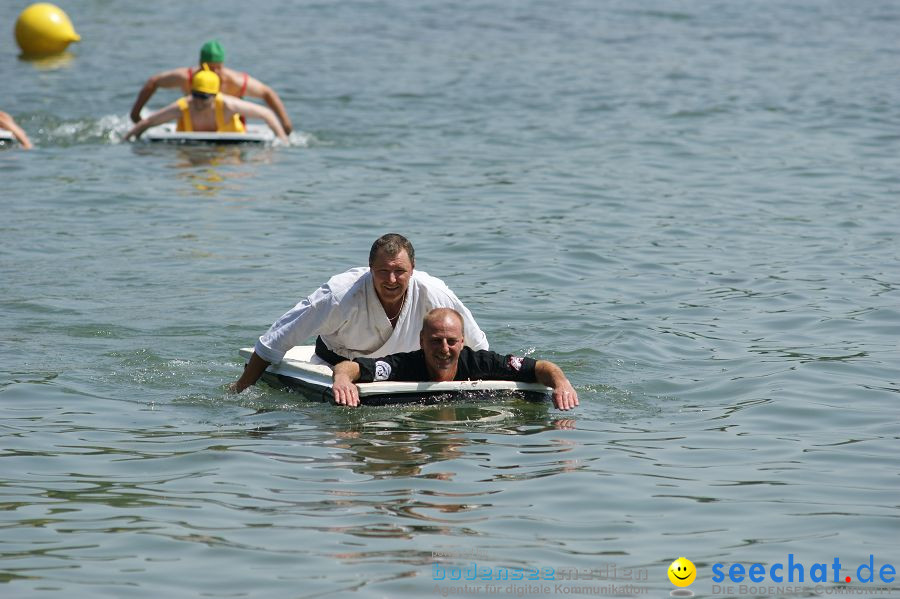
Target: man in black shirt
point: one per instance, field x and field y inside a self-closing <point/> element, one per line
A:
<point x="444" y="357"/>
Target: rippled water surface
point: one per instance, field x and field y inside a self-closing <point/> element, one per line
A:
<point x="690" y="206"/>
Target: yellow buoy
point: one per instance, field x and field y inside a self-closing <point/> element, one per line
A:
<point x="44" y="29"/>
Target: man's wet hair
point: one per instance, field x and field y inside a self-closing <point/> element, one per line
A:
<point x="392" y="244"/>
<point x="441" y="313"/>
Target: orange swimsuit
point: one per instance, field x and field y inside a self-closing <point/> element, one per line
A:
<point x="240" y="93"/>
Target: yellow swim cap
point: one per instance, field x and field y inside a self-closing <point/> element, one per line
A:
<point x="205" y="81"/>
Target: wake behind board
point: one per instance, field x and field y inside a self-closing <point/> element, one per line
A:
<point x="304" y="371"/>
<point x="256" y="134"/>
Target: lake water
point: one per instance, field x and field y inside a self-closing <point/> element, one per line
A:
<point x="692" y="207"/>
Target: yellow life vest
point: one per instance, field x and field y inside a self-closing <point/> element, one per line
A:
<point x="233" y="126"/>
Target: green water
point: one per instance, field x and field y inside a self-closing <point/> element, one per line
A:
<point x="691" y="207"/>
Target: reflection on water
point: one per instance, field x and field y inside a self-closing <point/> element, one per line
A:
<point x="411" y="440"/>
<point x="411" y="471"/>
<point x="210" y="168"/>
<point x="391" y="454"/>
<point x="378" y="488"/>
<point x="221" y="155"/>
<point x="49" y="63"/>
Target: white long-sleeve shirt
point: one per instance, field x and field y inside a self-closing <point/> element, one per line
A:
<point x="348" y="316"/>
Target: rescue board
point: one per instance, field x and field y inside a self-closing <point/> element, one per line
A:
<point x="303" y="371"/>
<point x="255" y="134"/>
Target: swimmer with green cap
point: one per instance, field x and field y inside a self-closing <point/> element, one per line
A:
<point x="233" y="83"/>
<point x="212" y="52"/>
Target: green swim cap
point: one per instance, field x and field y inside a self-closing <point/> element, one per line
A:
<point x="212" y="51"/>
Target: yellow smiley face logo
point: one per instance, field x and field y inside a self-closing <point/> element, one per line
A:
<point x="682" y="572"/>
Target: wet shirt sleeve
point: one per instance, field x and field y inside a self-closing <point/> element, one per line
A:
<point x="296" y="326"/>
<point x="491" y="366"/>
<point x="408" y="366"/>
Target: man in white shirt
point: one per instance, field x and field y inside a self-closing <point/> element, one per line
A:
<point x="364" y="312"/>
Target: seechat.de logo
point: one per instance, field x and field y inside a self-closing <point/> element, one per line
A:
<point x="797" y="571"/>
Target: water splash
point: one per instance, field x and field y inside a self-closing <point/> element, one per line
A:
<point x="48" y="130"/>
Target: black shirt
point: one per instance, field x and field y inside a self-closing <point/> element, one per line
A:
<point x="484" y="365"/>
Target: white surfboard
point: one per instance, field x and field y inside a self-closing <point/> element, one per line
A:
<point x="302" y="370"/>
<point x="258" y="134"/>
